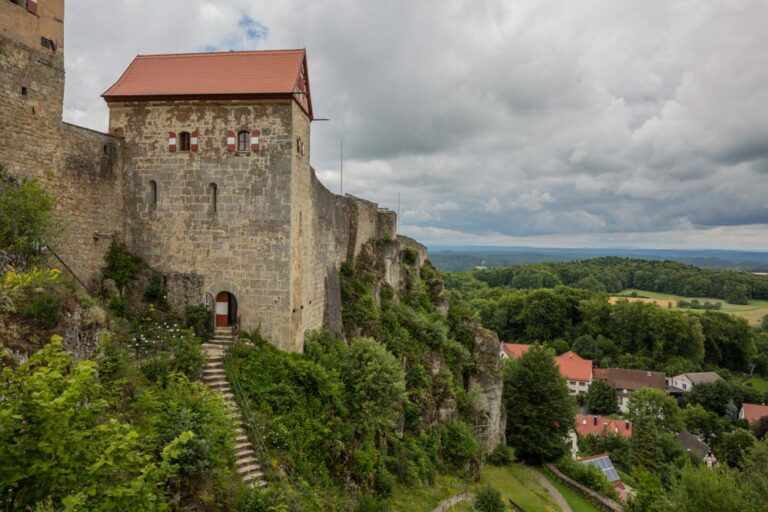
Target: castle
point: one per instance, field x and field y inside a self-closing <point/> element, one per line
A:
<point x="204" y="173"/>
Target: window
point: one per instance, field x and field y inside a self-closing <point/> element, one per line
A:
<point x="24" y="91"/>
<point x="213" y="197"/>
<point x="153" y="194"/>
<point x="242" y="141"/>
<point x="184" y="140"/>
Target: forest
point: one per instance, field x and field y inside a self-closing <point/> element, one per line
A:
<point x="612" y="275"/>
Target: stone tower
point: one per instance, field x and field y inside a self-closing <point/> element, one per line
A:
<point x="217" y="152"/>
<point x="79" y="166"/>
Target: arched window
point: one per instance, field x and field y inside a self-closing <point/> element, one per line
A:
<point x="243" y="137"/>
<point x="153" y="194"/>
<point x="213" y="197"/>
<point x="184" y="139"/>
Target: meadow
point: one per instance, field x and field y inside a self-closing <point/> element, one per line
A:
<point x="752" y="312"/>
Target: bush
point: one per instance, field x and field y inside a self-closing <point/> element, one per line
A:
<point x="199" y="318"/>
<point x="460" y="449"/>
<point x="26" y="218"/>
<point x="118" y="306"/>
<point x="371" y="504"/>
<point x="120" y="265"/>
<point x="37" y="295"/>
<point x="587" y="475"/>
<point x="502" y="455"/>
<point x="489" y="499"/>
<point x="154" y="293"/>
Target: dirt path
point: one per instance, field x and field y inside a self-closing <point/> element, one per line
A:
<point x="553" y="492"/>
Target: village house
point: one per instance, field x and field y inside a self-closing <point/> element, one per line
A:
<point x="592" y="425"/>
<point x="577" y="372"/>
<point x="626" y="381"/>
<point x="697" y="448"/>
<point x="513" y="350"/>
<point x="752" y="413"/>
<point x="686" y="381"/>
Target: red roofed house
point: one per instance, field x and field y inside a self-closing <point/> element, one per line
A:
<point x="753" y="412"/>
<point x="513" y="350"/>
<point x="602" y="425"/>
<point x="576" y="370"/>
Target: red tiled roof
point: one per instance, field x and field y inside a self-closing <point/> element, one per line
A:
<point x="621" y="378"/>
<point x="515" y="350"/>
<point x="753" y="412"/>
<point x="573" y="367"/>
<point x="218" y="73"/>
<point x="601" y="425"/>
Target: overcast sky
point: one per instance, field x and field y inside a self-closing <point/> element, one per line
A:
<point x="546" y="123"/>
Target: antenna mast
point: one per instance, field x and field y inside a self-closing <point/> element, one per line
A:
<point x="341" y="167"/>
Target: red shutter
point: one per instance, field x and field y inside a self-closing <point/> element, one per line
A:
<point x="231" y="141"/>
<point x="172" y="142"/>
<point x="255" y="140"/>
<point x="32" y="6"/>
<point x="193" y="143"/>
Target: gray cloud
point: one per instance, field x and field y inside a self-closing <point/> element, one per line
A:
<point x="585" y="122"/>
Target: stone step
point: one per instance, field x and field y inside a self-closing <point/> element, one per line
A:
<point x="246" y="460"/>
<point x="251" y="468"/>
<point x="255" y="479"/>
<point x="213" y="369"/>
<point x="243" y="446"/>
<point x="241" y="441"/>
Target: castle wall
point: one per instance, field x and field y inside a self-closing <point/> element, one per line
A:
<point x="79" y="167"/>
<point x="244" y="247"/>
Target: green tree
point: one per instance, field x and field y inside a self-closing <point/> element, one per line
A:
<point x="374" y="383"/>
<point x="58" y="442"/>
<point x="732" y="447"/>
<point x="540" y="411"/>
<point x="26" y="218"/>
<point x="601" y="398"/>
<point x="545" y="315"/>
<point x="700" y="488"/>
<point x="657" y="407"/>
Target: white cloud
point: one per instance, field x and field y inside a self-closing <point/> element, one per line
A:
<point x="622" y="122"/>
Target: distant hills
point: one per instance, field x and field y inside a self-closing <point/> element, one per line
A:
<point x="458" y="258"/>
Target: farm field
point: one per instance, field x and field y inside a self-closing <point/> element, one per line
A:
<point x="752" y="312"/>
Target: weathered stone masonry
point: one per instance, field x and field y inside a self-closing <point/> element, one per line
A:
<point x="81" y="167"/>
<point x="274" y="236"/>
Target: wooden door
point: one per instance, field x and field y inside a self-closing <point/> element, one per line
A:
<point x="222" y="310"/>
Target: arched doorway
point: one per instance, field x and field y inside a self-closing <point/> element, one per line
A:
<point x="226" y="309"/>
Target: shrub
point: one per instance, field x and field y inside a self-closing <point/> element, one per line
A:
<point x="120" y="265"/>
<point x="155" y="291"/>
<point x="587" y="475"/>
<point x="371" y="504"/>
<point x="118" y="306"/>
<point x="489" y="499"/>
<point x="459" y="446"/>
<point x="37" y="295"/>
<point x="502" y="455"/>
<point x="199" y="318"/>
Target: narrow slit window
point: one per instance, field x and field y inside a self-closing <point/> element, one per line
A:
<point x="153" y="194"/>
<point x="243" y="141"/>
<point x="184" y="141"/>
<point x="213" y="197"/>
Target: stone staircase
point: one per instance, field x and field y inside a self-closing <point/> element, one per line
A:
<point x="246" y="464"/>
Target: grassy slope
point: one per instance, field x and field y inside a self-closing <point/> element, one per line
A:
<point x="753" y="312"/>
<point x="517" y="482"/>
<point x="577" y="502"/>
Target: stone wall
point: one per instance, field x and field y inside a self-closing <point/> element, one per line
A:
<point x="80" y="167"/>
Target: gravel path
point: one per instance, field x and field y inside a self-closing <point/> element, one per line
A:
<point x="553" y="492"/>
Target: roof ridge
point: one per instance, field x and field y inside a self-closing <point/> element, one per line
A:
<point x="220" y="53"/>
